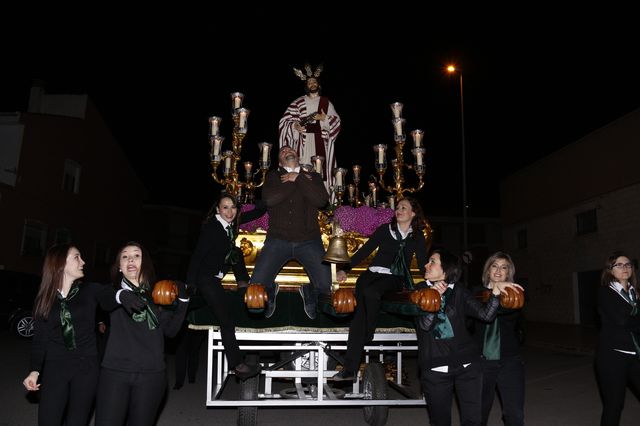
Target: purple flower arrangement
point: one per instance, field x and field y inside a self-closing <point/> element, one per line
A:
<point x="260" y="223"/>
<point x="363" y="220"/>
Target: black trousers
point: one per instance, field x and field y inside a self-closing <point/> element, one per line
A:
<point x="129" y="398"/>
<point x="615" y="370"/>
<point x="507" y="374"/>
<point x="213" y="293"/>
<point x="438" y="390"/>
<point x="187" y="353"/>
<point x="370" y="287"/>
<point x="69" y="384"/>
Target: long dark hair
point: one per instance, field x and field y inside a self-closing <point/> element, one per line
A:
<point x="418" y="221"/>
<point x="147" y="274"/>
<point x="52" y="276"/>
<point x="607" y="277"/>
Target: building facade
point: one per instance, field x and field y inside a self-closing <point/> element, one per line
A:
<point x="563" y="215"/>
<point x="64" y="178"/>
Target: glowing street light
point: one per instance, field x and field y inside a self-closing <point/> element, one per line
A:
<point x="451" y="69"/>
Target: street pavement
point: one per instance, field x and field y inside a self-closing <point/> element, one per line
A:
<point x="560" y="389"/>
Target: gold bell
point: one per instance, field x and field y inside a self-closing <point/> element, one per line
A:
<point x="337" y="251"/>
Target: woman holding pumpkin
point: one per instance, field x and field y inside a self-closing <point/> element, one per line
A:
<point x="64" y="344"/>
<point x="132" y="379"/>
<point x="447" y="355"/>
<point x="502" y="366"/>
<point x="396" y="242"/>
<point x="215" y="253"/>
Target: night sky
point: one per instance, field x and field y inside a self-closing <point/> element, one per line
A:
<point x="533" y="82"/>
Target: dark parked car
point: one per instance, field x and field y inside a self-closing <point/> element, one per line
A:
<point x="18" y="291"/>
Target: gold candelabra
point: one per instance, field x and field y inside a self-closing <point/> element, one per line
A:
<point x="398" y="163"/>
<point x="230" y="178"/>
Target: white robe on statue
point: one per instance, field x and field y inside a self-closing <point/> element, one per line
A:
<point x="304" y="143"/>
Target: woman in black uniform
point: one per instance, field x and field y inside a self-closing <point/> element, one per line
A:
<point x="502" y="366"/>
<point x="618" y="353"/>
<point x="132" y="379"/>
<point x="64" y="348"/>
<point x="214" y="255"/>
<point x="396" y="242"/>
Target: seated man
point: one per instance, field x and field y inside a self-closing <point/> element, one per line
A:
<point x="293" y="197"/>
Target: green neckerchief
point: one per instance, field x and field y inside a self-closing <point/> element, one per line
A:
<point x="399" y="266"/>
<point x="443" y="329"/>
<point x="147" y="313"/>
<point x="233" y="256"/>
<point x="491" y="344"/>
<point x="68" y="332"/>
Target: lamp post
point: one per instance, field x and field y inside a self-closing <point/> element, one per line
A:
<point x="451" y="69"/>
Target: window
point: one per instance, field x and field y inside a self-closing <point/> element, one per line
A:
<point x="521" y="239"/>
<point x="586" y="222"/>
<point x="71" y="179"/>
<point x="34" y="238"/>
<point x="63" y="236"/>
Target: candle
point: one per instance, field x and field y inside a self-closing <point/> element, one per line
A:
<point x="419" y="153"/>
<point x="356" y="173"/>
<point x="227" y="164"/>
<point x="339" y="177"/>
<point x="380" y="148"/>
<point x="217" y="144"/>
<point x="352" y="191"/>
<point x="396" y="109"/>
<point x="236" y="100"/>
<point x="265" y="152"/>
<point x="317" y="163"/>
<point x="215" y="125"/>
<point x="248" y="166"/>
<point x="417" y="137"/>
<point x="242" y="122"/>
<point x="397" y="124"/>
<point x="373" y="195"/>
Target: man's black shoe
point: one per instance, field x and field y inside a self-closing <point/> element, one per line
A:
<point x="309" y="305"/>
<point x="344" y="376"/>
<point x="271" y="303"/>
<point x="310" y="310"/>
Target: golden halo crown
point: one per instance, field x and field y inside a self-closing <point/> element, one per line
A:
<point x="308" y="73"/>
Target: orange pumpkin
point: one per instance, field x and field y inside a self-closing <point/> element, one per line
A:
<point x="427" y="299"/>
<point x="165" y="292"/>
<point x="513" y="299"/>
<point x="343" y="301"/>
<point x="256" y="296"/>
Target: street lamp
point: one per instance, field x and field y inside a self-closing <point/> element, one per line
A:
<point x="451" y="69"/>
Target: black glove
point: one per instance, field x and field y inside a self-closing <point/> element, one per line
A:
<point x="131" y="302"/>
<point x="182" y="290"/>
